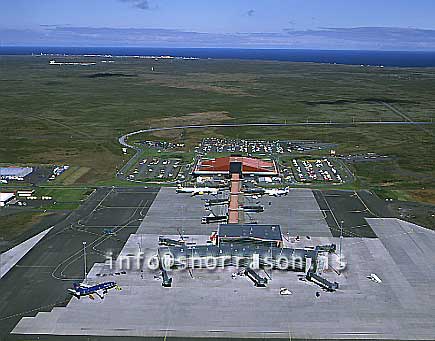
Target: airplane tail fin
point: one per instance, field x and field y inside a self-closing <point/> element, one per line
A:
<point x="74" y="293"/>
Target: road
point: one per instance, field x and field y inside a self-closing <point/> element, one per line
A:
<point x="123" y="139"/>
<point x="405" y="117"/>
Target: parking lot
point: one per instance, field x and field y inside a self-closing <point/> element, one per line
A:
<point x="319" y="170"/>
<point x="155" y="168"/>
<point x="260" y="147"/>
<point x="184" y="173"/>
<point x="162" y="145"/>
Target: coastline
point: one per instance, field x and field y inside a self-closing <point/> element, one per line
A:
<point x="402" y="59"/>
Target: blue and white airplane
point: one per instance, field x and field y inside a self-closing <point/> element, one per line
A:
<point x="81" y="290"/>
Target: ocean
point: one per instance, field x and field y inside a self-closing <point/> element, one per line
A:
<point x="349" y="57"/>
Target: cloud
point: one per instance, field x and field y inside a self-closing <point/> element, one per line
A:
<point x="141" y="4"/>
<point x="370" y="37"/>
<point x="250" y="13"/>
<point x="358" y="38"/>
<point x="292" y="25"/>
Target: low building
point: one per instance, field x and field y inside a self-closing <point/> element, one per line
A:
<point x="15" y="172"/>
<point x="25" y="193"/>
<point x="266" y="235"/>
<point x="249" y="166"/>
<point x="5" y="198"/>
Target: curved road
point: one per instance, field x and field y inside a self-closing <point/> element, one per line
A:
<point x="123" y="138"/>
<point x="232" y="125"/>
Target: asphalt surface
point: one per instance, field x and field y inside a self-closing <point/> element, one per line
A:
<point x="207" y="303"/>
<point x="362" y="309"/>
<point x="9" y="258"/>
<point x="122" y="139"/>
<point x="405" y="117"/>
<point x="39" y="175"/>
<point x="276" y="147"/>
<point x="153" y="168"/>
<point x="121" y="174"/>
<point x="40" y="279"/>
<point x="173" y="213"/>
<point x="46" y="221"/>
<point x="297" y="213"/>
<point x="349" y="209"/>
<point x="317" y="168"/>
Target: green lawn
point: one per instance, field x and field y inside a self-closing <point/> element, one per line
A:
<point x="64" y="198"/>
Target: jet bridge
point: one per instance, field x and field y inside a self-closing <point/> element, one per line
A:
<point x="322" y="282"/>
<point x="260" y="282"/>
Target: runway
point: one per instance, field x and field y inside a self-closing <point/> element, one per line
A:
<point x="40" y="279"/>
<point x="214" y="303"/>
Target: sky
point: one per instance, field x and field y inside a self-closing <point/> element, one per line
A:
<point x="316" y="24"/>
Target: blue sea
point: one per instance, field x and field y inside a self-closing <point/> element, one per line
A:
<point x="373" y="58"/>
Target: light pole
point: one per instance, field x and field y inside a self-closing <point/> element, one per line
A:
<point x="84" y="259"/>
<point x="341" y="239"/>
<point x="140" y="256"/>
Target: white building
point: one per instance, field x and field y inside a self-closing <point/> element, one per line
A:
<point x="15" y="173"/>
<point x="5" y="198"/>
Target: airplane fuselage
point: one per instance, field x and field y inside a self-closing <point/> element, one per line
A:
<point x="99" y="289"/>
<point x="197" y="190"/>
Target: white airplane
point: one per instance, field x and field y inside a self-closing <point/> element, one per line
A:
<point x="197" y="190"/>
<point x="277" y="192"/>
<point x="374" y="278"/>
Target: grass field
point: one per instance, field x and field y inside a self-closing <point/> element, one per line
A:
<point x="64" y="198"/>
<point x="13" y="225"/>
<point x="73" y="114"/>
<point x="71" y="176"/>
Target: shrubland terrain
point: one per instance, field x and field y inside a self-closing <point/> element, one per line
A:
<point x="72" y="114"/>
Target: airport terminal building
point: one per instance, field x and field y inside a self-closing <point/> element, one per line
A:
<point x="249" y="165"/>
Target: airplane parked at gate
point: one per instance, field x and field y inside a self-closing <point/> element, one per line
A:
<point x="82" y="290"/>
<point x="198" y="190"/>
<point x="277" y="192"/>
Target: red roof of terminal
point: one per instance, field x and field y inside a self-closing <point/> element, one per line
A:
<point x="248" y="165"/>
